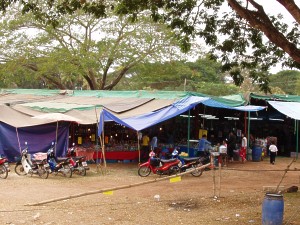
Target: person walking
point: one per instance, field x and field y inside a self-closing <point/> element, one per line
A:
<point x="273" y="152"/>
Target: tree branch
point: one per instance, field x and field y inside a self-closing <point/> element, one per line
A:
<point x="292" y="8"/>
<point x="259" y="20"/>
<point x="88" y="79"/>
<point x="51" y="79"/>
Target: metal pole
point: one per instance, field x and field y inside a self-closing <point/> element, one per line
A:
<point x="138" y="146"/>
<point x="297" y="138"/>
<point x="248" y="135"/>
<point x="188" y="138"/>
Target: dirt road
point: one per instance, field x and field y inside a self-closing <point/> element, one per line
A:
<point x="190" y="201"/>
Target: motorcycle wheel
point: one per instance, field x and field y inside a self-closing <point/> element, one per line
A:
<point x="173" y="170"/>
<point x="19" y="169"/>
<point x="3" y="172"/>
<point x="144" y="171"/>
<point x="81" y="170"/>
<point x="197" y="172"/>
<point x="42" y="172"/>
<point x="67" y="171"/>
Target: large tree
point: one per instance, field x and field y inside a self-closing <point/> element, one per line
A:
<point x="245" y="37"/>
<point x="203" y="75"/>
<point x="81" y="50"/>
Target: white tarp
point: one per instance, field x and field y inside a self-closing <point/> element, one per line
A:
<point x="290" y="109"/>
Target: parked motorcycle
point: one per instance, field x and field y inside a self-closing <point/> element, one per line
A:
<point x="159" y="166"/>
<point x="79" y="164"/>
<point x="27" y="166"/>
<point x="56" y="165"/>
<point x="4" y="167"/>
<point x="189" y="163"/>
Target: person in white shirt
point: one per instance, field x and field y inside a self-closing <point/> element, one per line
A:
<point x="243" y="149"/>
<point x="273" y="152"/>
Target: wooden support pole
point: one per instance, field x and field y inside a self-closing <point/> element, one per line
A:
<point x="212" y="159"/>
<point x="220" y="166"/>
<point x="287" y="168"/>
<point x="115" y="188"/>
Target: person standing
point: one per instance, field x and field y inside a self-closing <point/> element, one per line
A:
<point x="243" y="149"/>
<point x="203" y="145"/>
<point x="231" y="145"/>
<point x="153" y="143"/>
<point x="145" y="147"/>
<point x="273" y="152"/>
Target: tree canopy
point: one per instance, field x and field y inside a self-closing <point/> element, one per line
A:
<point x="203" y="75"/>
<point x="81" y="51"/>
<point x="287" y="80"/>
<point x="245" y="37"/>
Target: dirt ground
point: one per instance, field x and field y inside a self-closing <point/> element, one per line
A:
<point x="193" y="200"/>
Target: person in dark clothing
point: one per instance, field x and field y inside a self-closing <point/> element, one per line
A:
<point x="231" y="145"/>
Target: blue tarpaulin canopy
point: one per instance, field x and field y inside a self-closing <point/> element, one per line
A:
<point x="149" y="119"/>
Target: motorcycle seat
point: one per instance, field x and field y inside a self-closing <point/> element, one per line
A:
<point x="191" y="159"/>
<point x="61" y="159"/>
<point x="37" y="161"/>
<point x="78" y="157"/>
<point x="168" y="160"/>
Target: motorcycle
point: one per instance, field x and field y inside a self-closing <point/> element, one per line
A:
<point x="159" y="166"/>
<point x="192" y="164"/>
<point x="27" y="166"/>
<point x="61" y="165"/>
<point x="189" y="163"/>
<point x="4" y="167"/>
<point x="79" y="164"/>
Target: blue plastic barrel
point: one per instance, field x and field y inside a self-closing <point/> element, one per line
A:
<point x="256" y="153"/>
<point x="272" y="209"/>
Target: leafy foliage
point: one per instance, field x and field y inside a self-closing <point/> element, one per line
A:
<point x="203" y="76"/>
<point x="244" y="38"/>
<point x="287" y="81"/>
<point x="93" y="53"/>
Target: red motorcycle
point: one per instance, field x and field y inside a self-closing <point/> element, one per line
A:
<point x="79" y="163"/>
<point x="159" y="166"/>
<point x="4" y="167"/>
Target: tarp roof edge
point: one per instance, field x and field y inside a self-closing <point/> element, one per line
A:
<point x="290" y="109"/>
<point x="290" y="98"/>
<point x="166" y="113"/>
<point x="232" y="100"/>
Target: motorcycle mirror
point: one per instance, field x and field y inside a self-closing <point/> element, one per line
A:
<point x="52" y="143"/>
<point x="25" y="142"/>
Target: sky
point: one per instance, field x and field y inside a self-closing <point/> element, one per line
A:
<point x="274" y="8"/>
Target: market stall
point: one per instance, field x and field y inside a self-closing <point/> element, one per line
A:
<point x="120" y="143"/>
<point x="88" y="153"/>
<point x="118" y="155"/>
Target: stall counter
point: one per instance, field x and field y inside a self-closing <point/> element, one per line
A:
<point x="118" y="155"/>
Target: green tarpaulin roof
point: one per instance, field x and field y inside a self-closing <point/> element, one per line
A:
<point x="45" y="92"/>
<point x="288" y="98"/>
<point x="231" y="100"/>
